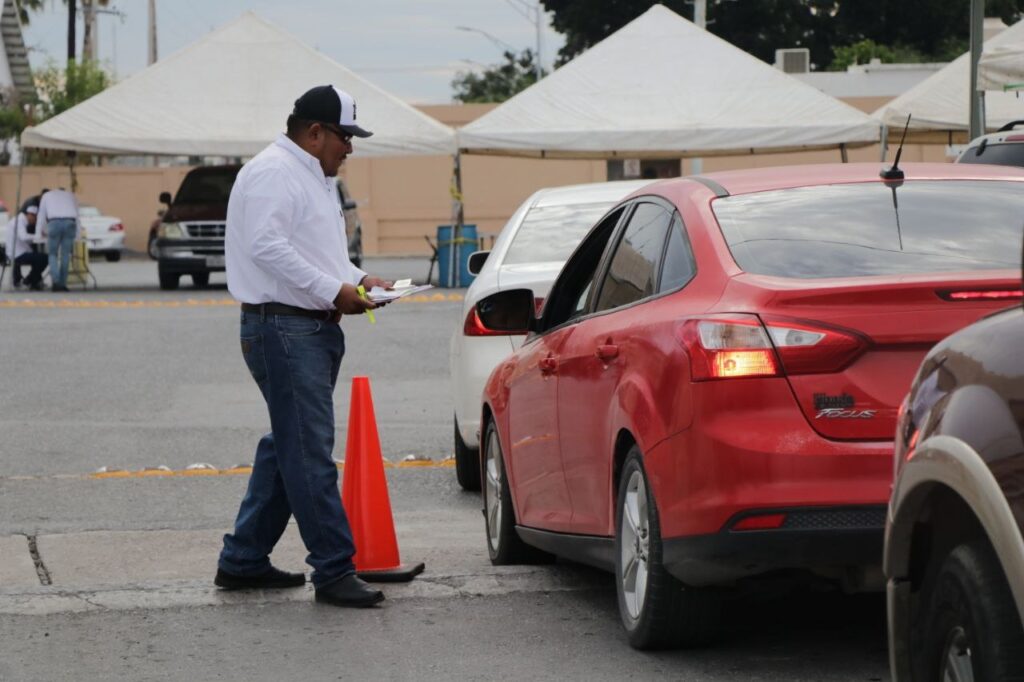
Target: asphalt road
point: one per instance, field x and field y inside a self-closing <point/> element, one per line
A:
<point x="108" y="577"/>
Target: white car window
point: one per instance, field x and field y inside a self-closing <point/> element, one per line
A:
<point x="550" y="233"/>
<point x="88" y="211"/>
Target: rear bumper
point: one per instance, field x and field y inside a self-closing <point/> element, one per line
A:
<point x="472" y="359"/>
<point x="824" y="540"/>
<point x="755" y="451"/>
<point x="112" y="242"/>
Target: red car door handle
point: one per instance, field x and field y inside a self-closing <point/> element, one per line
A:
<point x="548" y="365"/>
<point x="607" y="351"/>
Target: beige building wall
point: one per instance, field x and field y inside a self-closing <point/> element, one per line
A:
<point x="403" y="200"/>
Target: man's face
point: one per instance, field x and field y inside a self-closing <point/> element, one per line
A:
<point x="31" y="217"/>
<point x="333" y="147"/>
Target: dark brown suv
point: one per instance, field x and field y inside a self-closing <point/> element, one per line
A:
<point x="954" y="553"/>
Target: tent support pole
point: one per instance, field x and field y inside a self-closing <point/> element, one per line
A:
<point x="21" y="169"/>
<point x="842" y="153"/>
<point x="885" y="142"/>
<point x="454" y="262"/>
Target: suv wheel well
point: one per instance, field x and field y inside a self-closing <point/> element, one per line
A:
<point x="944" y="521"/>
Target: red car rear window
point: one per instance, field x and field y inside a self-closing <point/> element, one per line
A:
<point x="867" y="229"/>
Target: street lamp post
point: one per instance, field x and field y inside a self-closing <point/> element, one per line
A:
<point x="533" y="14"/>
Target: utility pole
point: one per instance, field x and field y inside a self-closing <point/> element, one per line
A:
<point x="700" y="17"/>
<point x="152" y="32"/>
<point x="71" y="31"/>
<point x="977" y="109"/>
<point x="89" y="35"/>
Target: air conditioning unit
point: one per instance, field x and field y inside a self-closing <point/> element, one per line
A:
<point x="793" y="60"/>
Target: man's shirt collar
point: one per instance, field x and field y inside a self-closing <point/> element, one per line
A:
<point x="304" y="157"/>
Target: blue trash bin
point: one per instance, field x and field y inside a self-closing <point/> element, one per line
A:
<point x="457" y="251"/>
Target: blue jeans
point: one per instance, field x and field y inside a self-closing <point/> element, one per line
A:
<point x="60" y="239"/>
<point x="295" y="362"/>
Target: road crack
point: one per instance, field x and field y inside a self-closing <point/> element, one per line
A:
<point x="37" y="559"/>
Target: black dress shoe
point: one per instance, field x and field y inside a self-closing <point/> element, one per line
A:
<point x="271" y="579"/>
<point x="349" y="591"/>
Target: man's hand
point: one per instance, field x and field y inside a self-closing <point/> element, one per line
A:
<point x="349" y="302"/>
<point x="370" y="282"/>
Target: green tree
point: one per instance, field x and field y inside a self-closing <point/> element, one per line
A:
<point x="499" y="82"/>
<point x="935" y="29"/>
<point x="61" y="89"/>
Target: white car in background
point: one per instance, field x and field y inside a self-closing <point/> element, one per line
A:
<point x="528" y="253"/>
<point x="105" y="234"/>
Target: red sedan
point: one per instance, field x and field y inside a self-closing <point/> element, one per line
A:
<point x="710" y="392"/>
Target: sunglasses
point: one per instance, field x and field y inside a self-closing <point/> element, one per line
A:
<point x="342" y="135"/>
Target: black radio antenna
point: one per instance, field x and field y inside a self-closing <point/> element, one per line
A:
<point x="894" y="172"/>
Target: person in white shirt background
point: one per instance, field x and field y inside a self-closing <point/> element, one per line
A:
<point x="287" y="263"/>
<point x="59" y="224"/>
<point x="20" y="236"/>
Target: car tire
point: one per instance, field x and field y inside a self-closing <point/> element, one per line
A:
<point x="657" y="611"/>
<point x="504" y="546"/>
<point x="200" y="279"/>
<point x="972" y="629"/>
<point x="467" y="463"/>
<point x="112" y="256"/>
<point x="169" y="280"/>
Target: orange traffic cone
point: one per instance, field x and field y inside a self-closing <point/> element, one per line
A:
<point x="364" y="493"/>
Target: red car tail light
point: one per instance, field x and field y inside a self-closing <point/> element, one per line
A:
<point x="728" y="347"/>
<point x="116" y="227"/>
<point x="474" y="326"/>
<point x="737" y="346"/>
<point x="988" y="295"/>
<point x="811" y="348"/>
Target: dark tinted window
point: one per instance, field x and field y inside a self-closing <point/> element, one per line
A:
<point x="569" y="295"/>
<point x="207" y="186"/>
<point x="855" y="230"/>
<point x="550" y="233"/>
<point x="998" y="154"/>
<point x="633" y="273"/>
<point x="678" y="268"/>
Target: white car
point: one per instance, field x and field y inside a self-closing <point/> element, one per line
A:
<point x="105" y="234"/>
<point x="529" y="253"/>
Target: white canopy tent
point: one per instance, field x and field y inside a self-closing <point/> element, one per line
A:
<point x="939" y="105"/>
<point x="229" y="94"/>
<point x="1002" y="67"/>
<point x="662" y="87"/>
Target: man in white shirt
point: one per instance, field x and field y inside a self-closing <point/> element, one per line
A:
<point x="287" y="262"/>
<point x="19" y="246"/>
<point x="59" y="224"/>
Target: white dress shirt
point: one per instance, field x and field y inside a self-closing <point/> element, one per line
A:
<point x="57" y="203"/>
<point x="19" y="241"/>
<point x="285" y="239"/>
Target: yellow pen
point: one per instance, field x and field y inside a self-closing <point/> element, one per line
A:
<point x="362" y="294"/>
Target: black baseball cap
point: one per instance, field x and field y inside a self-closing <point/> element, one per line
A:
<point x="327" y="104"/>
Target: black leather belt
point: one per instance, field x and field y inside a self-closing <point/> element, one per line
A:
<point x="282" y="309"/>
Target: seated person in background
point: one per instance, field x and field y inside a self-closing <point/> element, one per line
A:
<point x="20" y="235"/>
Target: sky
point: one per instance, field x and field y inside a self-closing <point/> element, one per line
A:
<point x="410" y="48"/>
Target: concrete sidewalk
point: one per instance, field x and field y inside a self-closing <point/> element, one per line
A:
<point x="113" y="570"/>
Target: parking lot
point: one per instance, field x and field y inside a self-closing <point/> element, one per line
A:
<point x="110" y="574"/>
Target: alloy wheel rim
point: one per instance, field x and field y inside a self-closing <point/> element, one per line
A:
<point x="957" y="665"/>
<point x="493" y="490"/>
<point x="635" y="547"/>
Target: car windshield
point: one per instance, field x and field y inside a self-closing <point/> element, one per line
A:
<point x="88" y="211"/>
<point x="998" y="154"/>
<point x="856" y="230"/>
<point x="207" y="186"/>
<point x="550" y="233"/>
